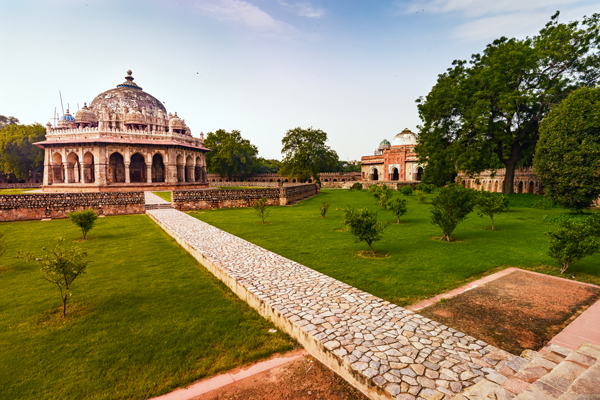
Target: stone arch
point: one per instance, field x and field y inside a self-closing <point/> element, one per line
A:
<point x="180" y="168"/>
<point x="137" y="168"/>
<point x="58" y="172"/>
<point x="326" y="180"/>
<point x="116" y="168"/>
<point x="520" y="190"/>
<point x="395" y="174"/>
<point x="531" y="187"/>
<point x="89" y="175"/>
<point x="374" y="174"/>
<point x="343" y="179"/>
<point x="495" y="186"/>
<point x="73" y="168"/>
<point x="158" y="168"/>
<point x="198" y="174"/>
<point x="419" y="173"/>
<point x="310" y="181"/>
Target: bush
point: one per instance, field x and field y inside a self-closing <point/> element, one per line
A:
<point x="397" y="207"/>
<point x="374" y="191"/>
<point x="489" y="203"/>
<point x="405" y="190"/>
<point x="357" y="186"/>
<point x="425" y="188"/>
<point x="421" y="196"/>
<point x="574" y="240"/>
<point x="451" y="206"/>
<point x="324" y="207"/>
<point x="260" y="207"/>
<point x="85" y="220"/>
<point x="363" y="225"/>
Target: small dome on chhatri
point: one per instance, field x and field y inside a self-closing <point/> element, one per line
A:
<point x="66" y="121"/>
<point x="135" y="117"/>
<point x="406" y="137"/>
<point x="67" y="117"/>
<point x="85" y="115"/>
<point x="384" y="142"/>
<point x="176" y="122"/>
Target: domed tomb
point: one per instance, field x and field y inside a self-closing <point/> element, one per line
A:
<point x="404" y="138"/>
<point x="127" y="94"/>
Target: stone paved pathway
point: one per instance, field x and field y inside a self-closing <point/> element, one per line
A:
<point x="383" y="349"/>
<point x="151" y="198"/>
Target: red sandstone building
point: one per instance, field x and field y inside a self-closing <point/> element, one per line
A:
<point x="124" y="140"/>
<point x="394" y="161"/>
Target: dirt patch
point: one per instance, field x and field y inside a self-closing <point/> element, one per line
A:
<point x="289" y="381"/>
<point x="516" y="312"/>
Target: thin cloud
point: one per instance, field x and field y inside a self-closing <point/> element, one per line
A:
<point x="477" y="8"/>
<point x="242" y="13"/>
<point x="305" y="10"/>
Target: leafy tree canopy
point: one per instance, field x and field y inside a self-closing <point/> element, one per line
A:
<point x="306" y="154"/>
<point x="485" y="113"/>
<point x="231" y="154"/>
<point x="450" y="207"/>
<point x="7" y="121"/>
<point x="567" y="157"/>
<point x="267" y="166"/>
<point x="18" y="156"/>
<point x="363" y="225"/>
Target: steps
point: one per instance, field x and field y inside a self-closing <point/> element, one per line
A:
<point x="556" y="374"/>
<point x="160" y="206"/>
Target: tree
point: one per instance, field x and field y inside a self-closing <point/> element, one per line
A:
<point x="397" y="207"/>
<point x="230" y="153"/>
<point x="574" y="240"/>
<point x="363" y="225"/>
<point x="260" y="207"/>
<point x="7" y="121"/>
<point x="485" y="114"/>
<point x="18" y="155"/>
<point x="85" y="220"/>
<point x="451" y="206"/>
<point x="405" y="190"/>
<point x="61" y="267"/>
<point x="267" y="166"/>
<point x="571" y="131"/>
<point x="305" y="154"/>
<point x="324" y="207"/>
<point x="489" y="203"/>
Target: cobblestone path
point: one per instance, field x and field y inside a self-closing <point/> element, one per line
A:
<point x="383" y="349"/>
<point x="151" y="198"/>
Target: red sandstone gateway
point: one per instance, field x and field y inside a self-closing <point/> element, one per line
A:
<point x="124" y="141"/>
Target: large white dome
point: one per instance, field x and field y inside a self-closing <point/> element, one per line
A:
<point x="406" y="137"/>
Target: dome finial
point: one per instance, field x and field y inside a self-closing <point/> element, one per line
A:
<point x="129" y="81"/>
<point x="129" y="77"/>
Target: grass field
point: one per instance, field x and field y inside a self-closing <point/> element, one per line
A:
<point x="419" y="265"/>
<point x="164" y="195"/>
<point x="14" y="191"/>
<point x="144" y="319"/>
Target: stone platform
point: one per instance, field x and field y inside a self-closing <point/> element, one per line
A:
<point x="382" y="349"/>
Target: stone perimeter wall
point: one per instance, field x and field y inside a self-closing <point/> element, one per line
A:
<point x="186" y="200"/>
<point x="18" y="207"/>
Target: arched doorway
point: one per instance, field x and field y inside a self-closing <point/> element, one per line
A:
<point x="520" y="187"/>
<point x="116" y="168"/>
<point x="158" y="168"/>
<point x="58" y="172"/>
<point x="419" y="173"/>
<point x="531" y="187"/>
<point x="375" y="175"/>
<point x="88" y="168"/>
<point x="495" y="186"/>
<point x="137" y="168"/>
<point x="189" y="169"/>
<point x="180" y="169"/>
<point x="73" y="168"/>
<point x="395" y="174"/>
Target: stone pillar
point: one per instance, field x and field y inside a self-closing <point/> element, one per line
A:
<point x="170" y="173"/>
<point x="127" y="180"/>
<point x="149" y="173"/>
<point x="76" y="174"/>
<point x="66" y="168"/>
<point x="190" y="174"/>
<point x="47" y="171"/>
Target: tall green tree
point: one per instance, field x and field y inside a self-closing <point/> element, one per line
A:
<point x="567" y="157"/>
<point x="267" y="166"/>
<point x="18" y="155"/>
<point x="305" y="154"/>
<point x="485" y="113"/>
<point x="230" y="153"/>
<point x="7" y="121"/>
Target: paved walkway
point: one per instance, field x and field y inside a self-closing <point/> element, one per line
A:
<point x="151" y="198"/>
<point x="383" y="349"/>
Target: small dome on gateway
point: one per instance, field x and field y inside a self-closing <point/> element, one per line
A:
<point x="406" y="137"/>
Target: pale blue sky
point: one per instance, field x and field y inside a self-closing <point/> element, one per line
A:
<point x="351" y="68"/>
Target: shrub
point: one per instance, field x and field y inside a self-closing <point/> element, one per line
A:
<point x="397" y="207"/>
<point x="574" y="240"/>
<point x="324" y="207"/>
<point x="451" y="206"/>
<point x="384" y="198"/>
<point x="421" y="196"/>
<point x="357" y="186"/>
<point x="489" y="203"/>
<point x="374" y="191"/>
<point x="260" y="207"/>
<point x="425" y="188"/>
<point x="85" y="220"/>
<point x="363" y="225"/>
<point x="405" y="190"/>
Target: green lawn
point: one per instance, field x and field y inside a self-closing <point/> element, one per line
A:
<point x="420" y="266"/>
<point x="144" y="319"/>
<point x="15" y="191"/>
<point x="164" y="195"/>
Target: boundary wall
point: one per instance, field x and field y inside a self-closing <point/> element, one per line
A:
<point x="19" y="207"/>
<point x="186" y="200"/>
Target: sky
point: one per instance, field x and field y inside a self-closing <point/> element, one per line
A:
<point x="351" y="68"/>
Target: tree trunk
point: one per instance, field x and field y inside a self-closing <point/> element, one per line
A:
<point x="65" y="305"/>
<point x="372" y="251"/>
<point x="492" y="218"/>
<point x="509" y="177"/>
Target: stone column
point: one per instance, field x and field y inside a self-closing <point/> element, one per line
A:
<point x="127" y="180"/>
<point x="47" y="170"/>
<point x="170" y="173"/>
<point x="66" y="168"/>
<point x="190" y="174"/>
<point x="149" y="173"/>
